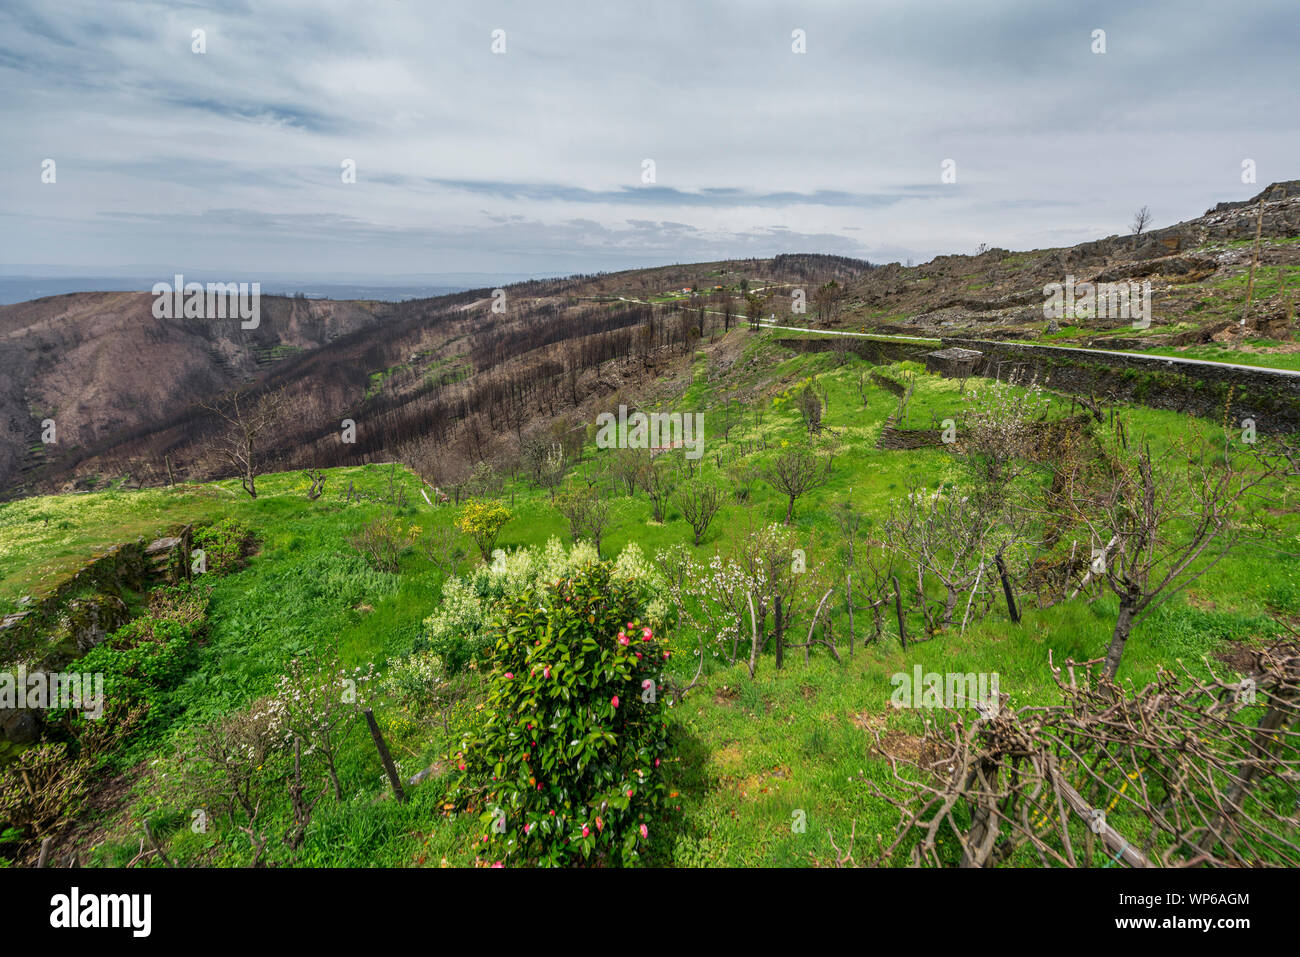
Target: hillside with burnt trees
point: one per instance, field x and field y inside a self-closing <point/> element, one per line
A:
<point x="442" y="379"/>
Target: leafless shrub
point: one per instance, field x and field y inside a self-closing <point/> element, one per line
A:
<point x="1186" y="772"/>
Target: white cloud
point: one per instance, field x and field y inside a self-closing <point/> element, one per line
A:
<point x="490" y="160"/>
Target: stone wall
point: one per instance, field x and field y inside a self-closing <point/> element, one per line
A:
<point x="889" y="384"/>
<point x="879" y="351"/>
<point x="1270" y="397"/>
<point x="83" y="610"/>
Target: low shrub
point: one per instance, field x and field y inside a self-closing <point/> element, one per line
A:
<point x="383" y="541"/>
<point x="225" y="544"/>
<point x="418" y="682"/>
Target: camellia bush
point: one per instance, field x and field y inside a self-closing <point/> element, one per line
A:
<point x="565" y="764"/>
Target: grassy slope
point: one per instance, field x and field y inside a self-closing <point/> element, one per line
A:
<point x="750" y="755"/>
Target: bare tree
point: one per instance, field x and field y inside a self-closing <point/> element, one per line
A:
<point x="728" y="309"/>
<point x="699" y="501"/>
<point x="627" y="466"/>
<point x="863" y="384"/>
<point x="827" y="299"/>
<point x="795" y="472"/>
<point x="545" y="461"/>
<point x="246" y="422"/>
<point x="776" y="574"/>
<point x="996" y="436"/>
<point x="943" y="535"/>
<point x="1141" y="220"/>
<point x="731" y="416"/>
<point x="587" y="511"/>
<point x="659" y="478"/>
<point x="1159" y="523"/>
<point x="755" y="306"/>
<point x="874" y="586"/>
<point x="810" y="407"/>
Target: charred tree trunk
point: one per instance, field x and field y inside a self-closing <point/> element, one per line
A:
<point x="1012" y="610"/>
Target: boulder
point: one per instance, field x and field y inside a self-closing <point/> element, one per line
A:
<point x="19" y="726"/>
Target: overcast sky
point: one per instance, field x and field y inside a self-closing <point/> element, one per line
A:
<point x="531" y="161"/>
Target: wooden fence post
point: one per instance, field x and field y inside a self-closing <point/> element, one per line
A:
<point x="384" y="756"/>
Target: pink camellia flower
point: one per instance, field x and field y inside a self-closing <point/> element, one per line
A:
<point x="629" y="792"/>
<point x="645" y="833"/>
<point x="546" y="673"/>
<point x="509" y="676"/>
<point x="638" y="654"/>
<point x="552" y="814"/>
<point x="527" y="828"/>
<point x="539" y="786"/>
<point x="585" y="830"/>
<point x="656" y="762"/>
<point x="647" y="635"/>
<point x="647" y="683"/>
<point x="614" y="701"/>
<point x="498" y="864"/>
<point x="629" y="624"/>
<point x="600" y="825"/>
<point x="622" y="638"/>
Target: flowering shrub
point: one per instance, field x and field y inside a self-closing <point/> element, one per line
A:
<point x="458" y="631"/>
<point x="313" y="705"/>
<point x="564" y="764"/>
<point x="418" y="682"/>
<point x="483" y="521"/>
